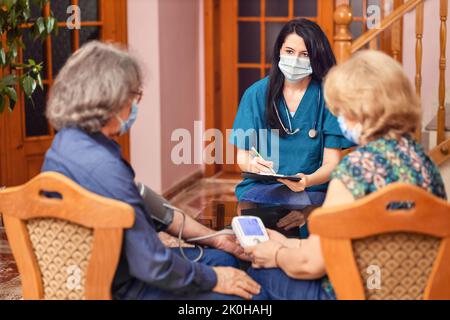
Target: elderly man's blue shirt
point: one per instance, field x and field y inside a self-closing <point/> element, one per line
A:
<point x="95" y="163"/>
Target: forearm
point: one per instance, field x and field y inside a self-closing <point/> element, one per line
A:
<point x="304" y="262"/>
<point x="322" y="175"/>
<point x="331" y="159"/>
<point x="292" y="243"/>
<point x="192" y="229"/>
<point x="151" y="262"/>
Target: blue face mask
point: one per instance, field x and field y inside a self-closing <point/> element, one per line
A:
<point x="352" y="135"/>
<point x="125" y="125"/>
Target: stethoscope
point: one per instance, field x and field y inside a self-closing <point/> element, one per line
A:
<point x="312" y="133"/>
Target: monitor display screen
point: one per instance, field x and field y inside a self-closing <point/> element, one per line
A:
<point x="251" y="227"/>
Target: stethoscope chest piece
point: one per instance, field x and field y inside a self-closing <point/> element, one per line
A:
<point x="312" y="133"/>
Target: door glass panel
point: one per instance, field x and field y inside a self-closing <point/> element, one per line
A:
<point x="356" y="28"/>
<point x="35" y="121"/>
<point x="89" y="10"/>
<point x="246" y="78"/>
<point x="34" y="50"/>
<point x="35" y="10"/>
<point x="59" y="8"/>
<point x="272" y="31"/>
<point x="373" y="2"/>
<point x="249" y="8"/>
<point x="357" y="7"/>
<point x="249" y="42"/>
<point x="277" y="8"/>
<point x="305" y="8"/>
<point x="61" y="49"/>
<point x="88" y="34"/>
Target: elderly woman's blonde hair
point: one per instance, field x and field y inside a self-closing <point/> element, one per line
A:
<point x="372" y="89"/>
<point x="96" y="82"/>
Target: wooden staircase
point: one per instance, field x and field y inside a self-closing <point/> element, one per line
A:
<point x="345" y="46"/>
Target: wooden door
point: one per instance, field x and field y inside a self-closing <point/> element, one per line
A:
<point x="25" y="134"/>
<point x="245" y="35"/>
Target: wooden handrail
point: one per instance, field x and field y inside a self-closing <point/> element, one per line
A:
<point x="344" y="47"/>
<point x="396" y="15"/>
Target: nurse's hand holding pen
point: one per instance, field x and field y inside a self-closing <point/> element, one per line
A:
<point x="249" y="162"/>
<point x="258" y="165"/>
<point x="296" y="186"/>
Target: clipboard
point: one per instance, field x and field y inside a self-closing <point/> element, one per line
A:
<point x="268" y="177"/>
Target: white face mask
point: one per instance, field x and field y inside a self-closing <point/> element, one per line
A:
<point x="295" y="69"/>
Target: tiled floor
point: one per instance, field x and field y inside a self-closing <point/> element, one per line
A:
<point x="195" y="201"/>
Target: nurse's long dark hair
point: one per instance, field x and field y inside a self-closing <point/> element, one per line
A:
<point x="319" y="51"/>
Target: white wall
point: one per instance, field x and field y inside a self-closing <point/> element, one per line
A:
<point x="167" y="35"/>
<point x="143" y="40"/>
<point x="431" y="56"/>
<point x="180" y="46"/>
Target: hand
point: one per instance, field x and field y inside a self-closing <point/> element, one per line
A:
<point x="263" y="254"/>
<point x="259" y="165"/>
<point x="276" y="236"/>
<point x="229" y="243"/>
<point x="295" y="218"/>
<point x="296" y="186"/>
<point x="236" y="282"/>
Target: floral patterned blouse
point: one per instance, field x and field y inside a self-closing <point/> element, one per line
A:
<point x="384" y="161"/>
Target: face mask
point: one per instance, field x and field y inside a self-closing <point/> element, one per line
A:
<point x="294" y="68"/>
<point x="352" y="135"/>
<point x="125" y="125"/>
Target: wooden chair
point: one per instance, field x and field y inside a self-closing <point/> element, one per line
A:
<point x="66" y="246"/>
<point x="441" y="156"/>
<point x="407" y="249"/>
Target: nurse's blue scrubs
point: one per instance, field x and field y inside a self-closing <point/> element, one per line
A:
<point x="297" y="153"/>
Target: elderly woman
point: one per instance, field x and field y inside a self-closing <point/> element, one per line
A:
<point x="93" y="100"/>
<point x="377" y="109"/>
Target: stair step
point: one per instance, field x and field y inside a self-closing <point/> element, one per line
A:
<point x="432" y="125"/>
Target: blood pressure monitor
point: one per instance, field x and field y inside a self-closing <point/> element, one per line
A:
<point x="249" y="230"/>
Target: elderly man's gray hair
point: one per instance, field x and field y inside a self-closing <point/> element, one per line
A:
<point x="96" y="83"/>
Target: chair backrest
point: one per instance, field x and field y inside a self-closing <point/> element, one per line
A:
<point x="392" y="244"/>
<point x="66" y="240"/>
<point x="441" y="156"/>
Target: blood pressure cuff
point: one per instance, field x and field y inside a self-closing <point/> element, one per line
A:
<point x="154" y="203"/>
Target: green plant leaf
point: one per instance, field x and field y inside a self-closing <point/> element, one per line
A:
<point x="39" y="81"/>
<point x="28" y="85"/>
<point x="14" y="14"/>
<point x="2" y="57"/>
<point x="11" y="92"/>
<point x="9" y="80"/>
<point x="50" y="24"/>
<point x="8" y="4"/>
<point x="40" y="25"/>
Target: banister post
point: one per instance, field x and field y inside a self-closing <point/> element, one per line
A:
<point x="442" y="68"/>
<point x="343" y="39"/>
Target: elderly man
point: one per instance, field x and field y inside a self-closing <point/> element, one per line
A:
<point x="94" y="99"/>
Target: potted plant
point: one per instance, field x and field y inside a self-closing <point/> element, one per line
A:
<point x="15" y="16"/>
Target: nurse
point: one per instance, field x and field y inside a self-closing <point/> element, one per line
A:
<point x="285" y="119"/>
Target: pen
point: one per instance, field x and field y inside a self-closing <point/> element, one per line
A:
<point x="258" y="155"/>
